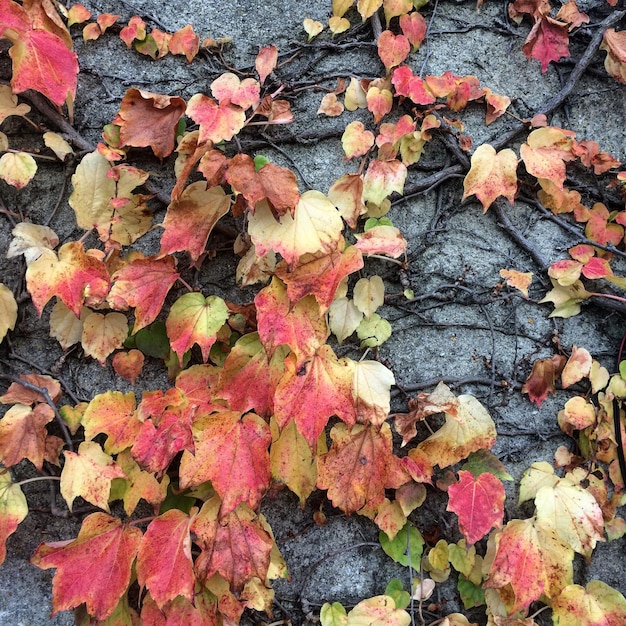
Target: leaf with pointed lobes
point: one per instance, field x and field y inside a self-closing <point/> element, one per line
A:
<point x="479" y="503"/>
<point x="88" y="473"/>
<point x="392" y="49"/>
<point x="99" y="582"/>
<point x="218" y="122"/>
<point x="320" y="276"/>
<point x="491" y="175"/>
<point x="112" y="413"/>
<point x="164" y="564"/>
<point x="13" y="509"/>
<point x="381" y="240"/>
<point x="102" y="334"/>
<point x="314" y="228"/>
<point x="191" y="218"/>
<point x="356" y="141"/>
<point x="471" y="430"/>
<point x="23" y="434"/>
<point x="195" y="319"/>
<point x="410" y="86"/>
<point x="541" y="380"/>
<point x="312" y="392"/>
<point x="358" y="468"/>
<point x="615" y="45"/>
<point x="546" y="151"/>
<point x="42" y="59"/>
<point x="231" y="451"/>
<point x="371" y="385"/>
<point x="265" y="61"/>
<point x="185" y="41"/>
<point x="597" y="604"/>
<point x="547" y="41"/>
<point x="149" y="120"/>
<point x="18" y="393"/>
<point x="301" y="326"/>
<point x="278" y="185"/>
<point x="74" y="277"/>
<point x="237" y="546"/>
<point x="346" y="193"/>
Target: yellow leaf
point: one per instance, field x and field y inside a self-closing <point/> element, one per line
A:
<point x="371" y="385"/>
<point x="17" y="168"/>
<point x="369" y="294"/>
<point x="8" y="311"/>
<point x="58" y="145"/>
<point x="9" y="105"/>
<point x="31" y="240"/>
<point x="312" y="27"/>
<point x="367" y="8"/>
<point x="65" y="327"/>
<point x="102" y="334"/>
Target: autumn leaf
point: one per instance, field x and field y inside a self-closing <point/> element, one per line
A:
<point x="577" y="367"/>
<point x="410" y="86"/>
<point x="195" y="319"/>
<point x="265" y="62"/>
<point x="102" y="334"/>
<point x="368" y="295"/>
<point x="356" y="141"/>
<point x="381" y="240"/>
<point x="185" y="41"/>
<point x="31" y="240"/>
<point x="597" y="604"/>
<point x="371" y="390"/>
<point x="381" y="179"/>
<point x="99" y="583"/>
<point x="17" y="168"/>
<point x="518" y="280"/>
<point x="346" y="193"/>
<point x="88" y="473"/>
<point x="547" y="41"/>
<point x="413" y="25"/>
<point x="479" y="503"/>
<point x="491" y="175"/>
<point x="392" y="49"/>
<point x="355" y="97"/>
<point x="228" y="88"/>
<point x="330" y="106"/>
<point x="218" y="122"/>
<point x="378" y="610"/>
<point x="18" y="393"/>
<point x="13" y="509"/>
<point x="343" y="318"/>
<point x="545" y="153"/>
<point x="231" y="451"/>
<point x="315" y="228"/>
<point x="615" y="45"/>
<point x="236" y="545"/>
<point x="8" y="311"/>
<point x="164" y="564"/>
<point x="9" y="104"/>
<point x="379" y="102"/>
<point x="367" y="8"/>
<point x="541" y="379"/>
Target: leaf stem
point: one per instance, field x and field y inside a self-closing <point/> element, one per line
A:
<point x="36" y="478"/>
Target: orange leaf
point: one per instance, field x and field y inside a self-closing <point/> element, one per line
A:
<point x="230" y="89"/>
<point x="81" y="578"/>
<point x="330" y="106"/>
<point x="18" y="393"/>
<point x="382" y="240"/>
<point x="540" y="382"/>
<point x="149" y="119"/>
<point x="236" y="545"/>
<point x="185" y="41"/>
<point x="379" y="102"/>
<point x="392" y="49"/>
<point x="577" y="367"/>
<point x="479" y="503"/>
<point x="569" y="13"/>
<point x="411" y="86"/>
<point x="615" y="45"/>
<point x="413" y="26"/>
<point x="545" y="152"/>
<point x="265" y="62"/>
<point x="519" y="280"/>
<point x="217" y="122"/>
<point x="231" y="451"/>
<point x="164" y="564"/>
<point x="346" y="193"/>
<point x="13" y="509"/>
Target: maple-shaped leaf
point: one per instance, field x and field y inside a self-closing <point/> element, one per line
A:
<point x="23" y="434"/>
<point x="17" y="168"/>
<point x="547" y="41"/>
<point x="597" y="604"/>
<point x="13" y="509"/>
<point x="149" y="119"/>
<point x="545" y="153"/>
<point x="8" y="311"/>
<point x="229" y="88"/>
<point x="320" y="276"/>
<point x="191" y="217"/>
<point x="237" y="545"/>
<point x="479" y="503"/>
<point x="42" y="60"/>
<point x="278" y="185"/>
<point x="301" y="326"/>
<point x="382" y="240"/>
<point x="99" y="582"/>
<point x="102" y="334"/>
<point x="72" y="277"/>
<point x="195" y="319"/>
<point x="164" y="564"/>
<point x="573" y="512"/>
<point x="371" y="387"/>
<point x="541" y="379"/>
<point x="246" y="379"/>
<point x="218" y="122"/>
<point x="312" y="392"/>
<point x="491" y="175"/>
<point x="470" y="430"/>
<point x="88" y="473"/>
<point x="314" y="228"/>
<point x="265" y="62"/>
<point x="356" y="141"/>
<point x="232" y="452"/>
<point x="112" y="413"/>
<point x="392" y="49"/>
<point x="615" y="45"/>
<point x="356" y="469"/>
<point x="143" y="283"/>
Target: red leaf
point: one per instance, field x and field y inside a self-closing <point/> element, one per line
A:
<point x="540" y="382"/>
<point x="413" y="25"/>
<point x="164" y="562"/>
<point x="410" y="86"/>
<point x="547" y="41"/>
<point x="392" y="49"/>
<point x="265" y="62"/>
<point x="479" y="503"/>
<point x="99" y="582"/>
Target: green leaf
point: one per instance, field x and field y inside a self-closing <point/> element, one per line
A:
<point x="395" y="590"/>
<point x="333" y="615"/>
<point x="484" y="461"/>
<point x="622" y="369"/>
<point x="175" y="500"/>
<point x="407" y="543"/>
<point x="373" y="331"/>
<point x="260" y="161"/>
<point x="471" y="595"/>
<point x="153" y="341"/>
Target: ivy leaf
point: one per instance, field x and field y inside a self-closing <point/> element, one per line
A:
<point x="72" y="277"/>
<point x="356" y="141"/>
<point x="17" y="168"/>
<point x="413" y="26"/>
<point x="577" y="367"/>
<point x="9" y="104"/>
<point x="595" y="605"/>
<point x="164" y="564"/>
<point x="379" y="609"/>
<point x="31" y="240"/>
<point x="382" y="240"/>
<point x="491" y="175"/>
<point x="229" y="88"/>
<point x="149" y="119"/>
<point x="368" y="295"/>
<point x="265" y="62"/>
<point x="333" y="615"/>
<point x="8" y="311"/>
<point x="371" y="388"/>
<point x="88" y="474"/>
<point x="519" y="280"/>
<point x="218" y="122"/>
<point x="406" y="547"/>
<point x="195" y="319"/>
<point x="346" y="193"/>
<point x="23" y="434"/>
<point x="185" y="41"/>
<point x="313" y="392"/>
<point x="236" y="545"/>
<point x="615" y="45"/>
<point x="547" y="41"/>
<point x="99" y="583"/>
<point x="102" y="334"/>
<point x="343" y="318"/>
<point x="392" y="49"/>
<point x="191" y="218"/>
<point x="541" y="380"/>
<point x="410" y="86"/>
<point x="315" y="227"/>
<point x="382" y="178"/>
<point x="367" y="8"/>
<point x="483" y="461"/>
<point x="19" y="393"/>
<point x="232" y="452"/>
<point x="13" y="509"/>
<point x="478" y="502"/>
<point x="545" y="153"/>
